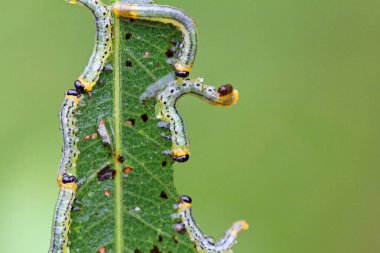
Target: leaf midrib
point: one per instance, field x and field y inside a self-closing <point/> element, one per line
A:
<point x="118" y="178"/>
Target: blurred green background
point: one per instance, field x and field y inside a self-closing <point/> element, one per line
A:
<point x="298" y="156"/>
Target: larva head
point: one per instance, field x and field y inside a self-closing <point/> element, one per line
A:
<point x="66" y="179"/>
<point x="182" y="74"/>
<point x="180" y="154"/>
<point x="186" y="199"/>
<point x="72" y="92"/>
<point x="227" y="95"/>
<point x="184" y="203"/>
<point x="225" y="89"/>
<point x="79" y="87"/>
<point x="182" y="70"/>
<point x="67" y="182"/>
<point x="181" y="159"/>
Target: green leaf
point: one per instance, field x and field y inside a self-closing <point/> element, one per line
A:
<point x="126" y="194"/>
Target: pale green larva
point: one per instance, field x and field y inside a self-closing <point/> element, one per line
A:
<point x="66" y="181"/>
<point x="61" y="220"/>
<point x="168" y="15"/>
<point x="167" y="101"/>
<point x="103" y="44"/>
<point x="69" y="130"/>
<point x="204" y="243"/>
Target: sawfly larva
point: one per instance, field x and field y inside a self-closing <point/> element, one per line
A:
<point x="103" y="44"/>
<point x="168" y="15"/>
<point x="203" y="242"/>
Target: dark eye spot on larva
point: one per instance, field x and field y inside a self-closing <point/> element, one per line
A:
<point x="155" y="250"/>
<point x="164" y="163"/>
<point x="127" y="170"/>
<point x="163" y="195"/>
<point x="137" y="251"/>
<point x="169" y="53"/>
<point x="130" y="122"/>
<point x="160" y="239"/>
<point x="128" y="63"/>
<point x="106" y="173"/>
<point x="225" y="89"/>
<point x="120" y="159"/>
<point x="144" y="117"/>
<point x="128" y="36"/>
<point x="131" y="20"/>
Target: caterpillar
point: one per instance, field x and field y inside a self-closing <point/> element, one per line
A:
<point x="70" y="151"/>
<point x="66" y="182"/>
<point x="167" y="101"/>
<point x="203" y="242"/>
<point x="61" y="219"/>
<point x="103" y="44"/>
<point x="168" y="15"/>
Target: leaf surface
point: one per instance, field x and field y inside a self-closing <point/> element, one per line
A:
<point x="126" y="194"/>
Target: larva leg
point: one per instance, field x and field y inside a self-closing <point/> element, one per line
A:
<point x="103" y="44"/>
<point x="167" y="101"/>
<point x="163" y="124"/>
<point x="202" y="241"/>
<point x="61" y="220"/>
<point x="168" y="15"/>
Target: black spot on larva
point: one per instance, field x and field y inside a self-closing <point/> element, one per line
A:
<point x="169" y="53"/>
<point x="160" y="239"/>
<point x="128" y="63"/>
<point x="106" y="173"/>
<point x="163" y="195"/>
<point x="180" y="228"/>
<point x="128" y="36"/>
<point x="144" y="117"/>
<point x="164" y="163"/>
<point x="68" y="179"/>
<point x="137" y="251"/>
<point x="120" y="159"/>
<point x="225" y="89"/>
<point x="155" y="250"/>
<point x="131" y="20"/>
<point x="186" y="199"/>
<point x="130" y="122"/>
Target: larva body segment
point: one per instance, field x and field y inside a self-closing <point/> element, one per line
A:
<point x="168" y="15"/>
<point x="203" y="242"/>
<point x="66" y="182"/>
<point x="61" y="219"/>
<point x="103" y="44"/>
<point x="167" y="102"/>
<point x="70" y="150"/>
